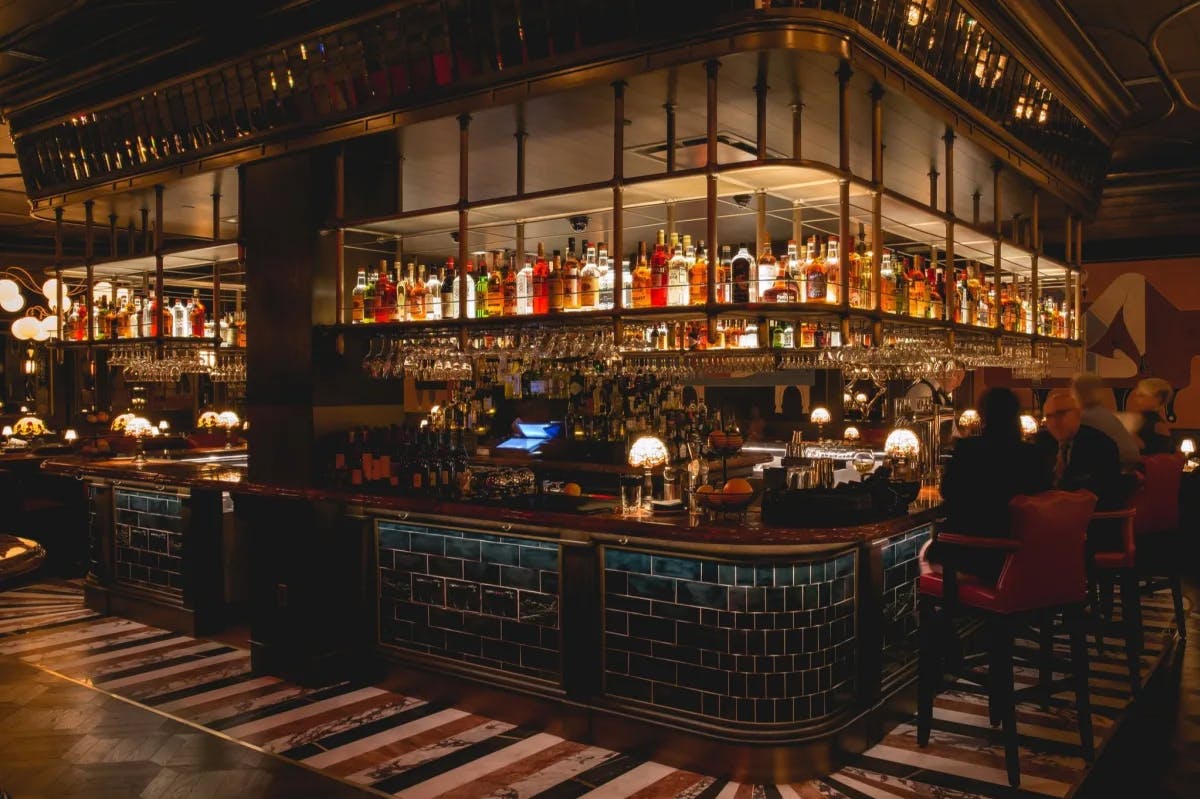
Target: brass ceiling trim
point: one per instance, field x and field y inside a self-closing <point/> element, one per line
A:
<point x="784" y="29"/>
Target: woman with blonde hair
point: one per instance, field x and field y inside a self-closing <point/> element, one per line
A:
<point x="1145" y="415"/>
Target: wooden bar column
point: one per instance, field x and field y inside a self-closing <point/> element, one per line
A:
<point x="58" y="257"/>
<point x="948" y="264"/>
<point x="88" y="260"/>
<point x="464" y="146"/>
<point x="997" y="234"/>
<point x="760" y="105"/>
<point x="339" y="234"/>
<point x="1035" y="245"/>
<point x="710" y="165"/>
<point x="112" y="235"/>
<point x="877" y="206"/>
<point x="843" y="76"/>
<point x="617" y="250"/>
<point x="216" y="302"/>
<point x="1071" y="278"/>
<point x="157" y="235"/>
<point x="1080" y="332"/>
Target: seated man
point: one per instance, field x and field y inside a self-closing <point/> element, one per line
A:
<point x="1081" y="457"/>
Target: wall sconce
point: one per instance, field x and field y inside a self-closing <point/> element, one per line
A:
<point x="30" y="364"/>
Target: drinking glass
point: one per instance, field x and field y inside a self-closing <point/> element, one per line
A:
<point x="631" y="494"/>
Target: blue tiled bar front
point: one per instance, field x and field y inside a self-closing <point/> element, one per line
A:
<point x="762" y="642"/>
<point x="484" y="599"/>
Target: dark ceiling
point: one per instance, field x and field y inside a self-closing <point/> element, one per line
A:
<point x="1152" y="191"/>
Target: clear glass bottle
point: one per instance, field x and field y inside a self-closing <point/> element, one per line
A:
<point x="606" y="298"/>
<point x="833" y="271"/>
<point x="814" y="273"/>
<point x="766" y="274"/>
<point x="179" y="326"/>
<point x="677" y="273"/>
<point x="525" y="288"/>
<point x="433" y="295"/>
<point x="571" y="278"/>
<point x="358" y="297"/>
<point x="589" y="280"/>
<point x="626" y="284"/>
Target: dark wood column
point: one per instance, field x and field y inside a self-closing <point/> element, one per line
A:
<point x="285" y="203"/>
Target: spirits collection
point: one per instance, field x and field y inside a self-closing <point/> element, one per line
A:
<point x="130" y="315"/>
<point x="674" y="272"/>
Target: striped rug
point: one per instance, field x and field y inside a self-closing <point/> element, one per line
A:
<point x="405" y="746"/>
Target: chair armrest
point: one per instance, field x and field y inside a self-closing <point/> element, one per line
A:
<point x="979" y="542"/>
<point x="1123" y="513"/>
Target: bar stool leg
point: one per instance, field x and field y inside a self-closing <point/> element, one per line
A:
<point x="1177" y="595"/>
<point x="1131" y="612"/>
<point x="1000" y="675"/>
<point x="929" y="666"/>
<point x="1045" y="620"/>
<point x="1073" y="618"/>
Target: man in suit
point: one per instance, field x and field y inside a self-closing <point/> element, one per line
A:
<point x="1082" y="457"/>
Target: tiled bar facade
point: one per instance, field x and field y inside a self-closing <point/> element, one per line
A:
<point x="483" y="599"/>
<point x="753" y="642"/>
<point x="900" y="575"/>
<point x="148" y="543"/>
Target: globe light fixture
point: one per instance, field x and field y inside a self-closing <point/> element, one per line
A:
<point x="820" y="417"/>
<point x="902" y="447"/>
<point x="647" y="453"/>
<point x="970" y="422"/>
<point x="851" y="434"/>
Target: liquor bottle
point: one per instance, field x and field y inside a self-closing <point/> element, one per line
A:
<point x="782" y="289"/>
<point x="416" y="292"/>
<point x="385" y="294"/>
<point x="815" y="276"/>
<point x="606" y="298"/>
<point x="122" y="324"/>
<point x="541" y="273"/>
<point x="179" y="326"/>
<point x="369" y="297"/>
<point x="71" y="324"/>
<point x="659" y="277"/>
<point x="934" y="287"/>
<point x="571" y="278"/>
<point x="449" y="297"/>
<point x="677" y="274"/>
<point x="640" y="292"/>
<point x="833" y="271"/>
<point x="697" y="272"/>
<point x="508" y="285"/>
<point x="495" y="288"/>
<point x="887" y="283"/>
<point x="795" y="268"/>
<point x="589" y="279"/>
<point x="433" y="295"/>
<point x="470" y="283"/>
<point x="860" y="279"/>
<point x="482" y="285"/>
<point x="554" y="284"/>
<point x="743" y="275"/>
<point x="197" y="315"/>
<point x="626" y="284"/>
<point x="725" y="275"/>
<point x="525" y="288"/>
<point x="765" y="275"/>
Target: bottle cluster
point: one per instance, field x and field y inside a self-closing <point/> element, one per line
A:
<point x="401" y="461"/>
<point x="129" y="315"/>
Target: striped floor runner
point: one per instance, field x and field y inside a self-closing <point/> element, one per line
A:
<point x="404" y="746"/>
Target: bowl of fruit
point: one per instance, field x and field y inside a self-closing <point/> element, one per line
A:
<point x="733" y="497"/>
<point x="724" y="443"/>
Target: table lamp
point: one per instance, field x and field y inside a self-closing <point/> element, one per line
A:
<point x="647" y="453"/>
<point x="1188" y="447"/>
<point x="903" y="447"/>
<point x="1029" y="425"/>
<point x="970" y="422"/>
<point x="820" y="417"/>
<point x="70" y="436"/>
<point x="139" y="427"/>
<point x="851" y="434"/>
<point x="229" y="420"/>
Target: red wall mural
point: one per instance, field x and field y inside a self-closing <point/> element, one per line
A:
<point x="1143" y="320"/>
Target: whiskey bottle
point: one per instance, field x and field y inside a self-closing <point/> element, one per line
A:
<point x="677" y="274"/>
<point x="782" y="289"/>
<point x="833" y="271"/>
<point x="795" y="268"/>
<point x="508" y="286"/>
<point x="449" y="298"/>
<point x="887" y="283"/>
<point x="385" y="294"/>
<point x="554" y="284"/>
<point x="416" y="293"/>
<point x="743" y="275"/>
<point x="589" y="280"/>
<point x="640" y="291"/>
<point x="697" y="272"/>
<point x="495" y="289"/>
<point x="571" y="278"/>
<point x="765" y="276"/>
<point x="815" y="276"/>
<point x="725" y="275"/>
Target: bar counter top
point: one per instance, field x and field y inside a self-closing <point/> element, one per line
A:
<point x="746" y="532"/>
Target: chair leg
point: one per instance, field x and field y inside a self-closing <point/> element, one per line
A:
<point x="1080" y="667"/>
<point x="1045" y="655"/>
<point x="1131" y="613"/>
<point x="1000" y="676"/>
<point x="1177" y="595"/>
<point x="929" y="667"/>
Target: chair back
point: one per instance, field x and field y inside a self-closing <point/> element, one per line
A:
<point x="1050" y="568"/>
<point x="1157" y="498"/>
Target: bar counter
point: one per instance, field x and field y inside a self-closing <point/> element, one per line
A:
<point x="778" y="647"/>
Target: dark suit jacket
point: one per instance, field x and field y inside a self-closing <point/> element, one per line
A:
<point x="982" y="476"/>
<point x="1094" y="464"/>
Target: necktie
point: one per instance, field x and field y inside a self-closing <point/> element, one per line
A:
<point x="1060" y="463"/>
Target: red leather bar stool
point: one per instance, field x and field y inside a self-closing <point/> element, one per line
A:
<point x="1161" y="546"/>
<point x="1044" y="573"/>
<point x="1118" y="566"/>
